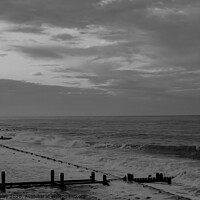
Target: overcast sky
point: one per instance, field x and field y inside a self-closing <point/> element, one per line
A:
<point x="99" y="57"/>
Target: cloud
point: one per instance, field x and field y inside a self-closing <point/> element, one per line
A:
<point x="68" y="13"/>
<point x="50" y="65"/>
<point x="27" y="99"/>
<point x="27" y="29"/>
<point x="22" y="98"/>
<point x="39" y="52"/>
<point x="3" y="54"/>
<point x="175" y="33"/>
<point x="62" y="37"/>
<point x="38" y="74"/>
<point x="118" y="75"/>
<point x="114" y="46"/>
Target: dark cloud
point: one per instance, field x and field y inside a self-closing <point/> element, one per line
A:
<point x="171" y="25"/>
<point x="50" y="65"/>
<point x="38" y="74"/>
<point x="165" y="34"/>
<point x="68" y="13"/>
<point x="22" y="98"/>
<point x="125" y="49"/>
<point x="62" y="37"/>
<point x="3" y="54"/>
<point x="39" y="52"/>
<point x="27" y="29"/>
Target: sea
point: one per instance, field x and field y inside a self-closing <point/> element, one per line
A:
<point x="140" y="145"/>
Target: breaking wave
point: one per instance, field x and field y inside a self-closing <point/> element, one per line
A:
<point x="37" y="139"/>
<point x="177" y="150"/>
<point x="77" y="144"/>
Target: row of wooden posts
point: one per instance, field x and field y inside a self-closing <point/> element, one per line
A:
<point x="159" y="178"/>
<point x="61" y="183"/>
<point x="52" y="159"/>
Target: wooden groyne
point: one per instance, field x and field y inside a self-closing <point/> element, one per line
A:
<point x="158" y="178"/>
<point x="62" y="183"/>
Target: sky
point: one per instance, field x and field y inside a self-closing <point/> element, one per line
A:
<point x="99" y="57"/>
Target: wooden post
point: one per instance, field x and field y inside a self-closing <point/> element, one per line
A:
<point x="161" y="177"/>
<point x="92" y="177"/>
<point x="62" y="186"/>
<point x="105" y="182"/>
<point x="169" y="180"/>
<point x="157" y="176"/>
<point x="3" y="181"/>
<point x="150" y="180"/>
<point x="52" y="177"/>
<point x="130" y="177"/>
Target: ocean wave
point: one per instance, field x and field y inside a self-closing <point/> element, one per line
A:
<point x="177" y="150"/>
<point x="180" y="150"/>
<point x="37" y="139"/>
<point x="116" y="146"/>
<point x="77" y="144"/>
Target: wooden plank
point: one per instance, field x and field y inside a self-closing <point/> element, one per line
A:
<point x="27" y="186"/>
<point x="49" y="182"/>
<point x="28" y="183"/>
<point x="82" y="183"/>
<point x="78" y="180"/>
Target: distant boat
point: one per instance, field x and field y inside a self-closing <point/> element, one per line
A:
<point x="5" y="138"/>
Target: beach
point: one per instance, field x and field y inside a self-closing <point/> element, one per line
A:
<point x="20" y="167"/>
<point x="81" y="144"/>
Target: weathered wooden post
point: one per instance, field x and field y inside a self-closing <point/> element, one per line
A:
<point x="92" y="177"/>
<point x="130" y="177"/>
<point x="157" y="176"/>
<point x="3" y="181"/>
<point x="105" y="181"/>
<point x="161" y="177"/>
<point x="62" y="186"/>
<point x="169" y="180"/>
<point x="52" y="177"/>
